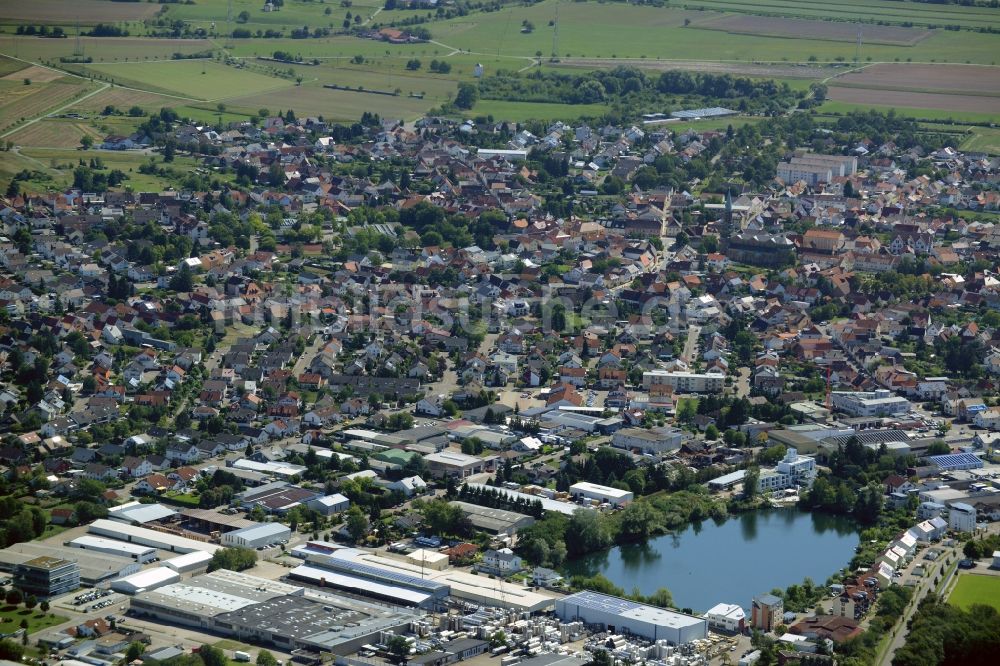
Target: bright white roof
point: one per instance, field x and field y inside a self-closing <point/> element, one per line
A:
<point x="187" y="560"/>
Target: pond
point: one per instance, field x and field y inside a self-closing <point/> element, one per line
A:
<point x="730" y="561"/>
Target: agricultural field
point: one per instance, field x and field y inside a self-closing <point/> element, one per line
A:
<point x="881" y="103"/>
<point x="68" y="12"/>
<point x="294" y="14"/>
<point x="9" y="66"/>
<point x="101" y="49"/>
<point x="204" y="80"/>
<point x="972" y="589"/>
<point x="20" y="102"/>
<point x="978" y="104"/>
<point x="56" y="133"/>
<point x="815" y="29"/>
<point x="587" y="30"/>
<point x="122" y="99"/>
<point x="890" y="11"/>
<point x="958" y="79"/>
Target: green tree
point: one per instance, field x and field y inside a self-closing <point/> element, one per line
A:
<point x="87" y="141"/>
<point x="265" y="658"/>
<point x="467" y="96"/>
<point x="357" y="523"/>
<point x="399" y="649"/>
<point x="212" y="656"/>
<point x="135" y="650"/>
<point x="13" y="597"/>
<point x="750" y="481"/>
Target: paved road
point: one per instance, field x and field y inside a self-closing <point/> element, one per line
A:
<point x="690" y="354"/>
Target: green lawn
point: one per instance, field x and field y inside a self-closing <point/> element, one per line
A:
<point x="972" y="589"/>
<point x="11" y="616"/>
<point x="200" y="79"/>
<point x="982" y="139"/>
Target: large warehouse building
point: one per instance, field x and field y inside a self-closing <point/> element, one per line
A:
<point x="113" y="529"/>
<point x="262" y="534"/>
<point x="140" y="554"/>
<point x="629" y="617"/>
<point x="263" y="611"/>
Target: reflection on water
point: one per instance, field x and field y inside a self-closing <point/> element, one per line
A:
<point x="730" y="560"/>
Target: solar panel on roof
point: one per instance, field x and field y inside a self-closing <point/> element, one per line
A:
<point x="956" y="461"/>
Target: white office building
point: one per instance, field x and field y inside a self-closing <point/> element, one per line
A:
<point x="793" y="470"/>
<point x="880" y="402"/>
<point x="727" y="617"/>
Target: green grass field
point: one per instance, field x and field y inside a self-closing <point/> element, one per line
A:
<point x="594" y="30"/>
<point x="982" y="139"/>
<point x="101" y="49"/>
<point x="919" y="14"/>
<point x="205" y="80"/>
<point x="58" y="165"/>
<point x="294" y="13"/>
<point x="340" y="105"/>
<point x="922" y="114"/>
<point x="11" y="616"/>
<point x="972" y="589"/>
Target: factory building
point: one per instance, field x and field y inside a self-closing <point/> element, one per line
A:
<point x="189" y="562"/>
<point x="494" y="521"/>
<point x="257" y="610"/>
<point x="262" y="534"/>
<point x="113" y="529"/>
<point x="654" y="440"/>
<point x="136" y="513"/>
<point x="144" y="581"/>
<point x="597" y="493"/>
<point x="386" y="578"/>
<point x="141" y="554"/>
<point x="622" y="616"/>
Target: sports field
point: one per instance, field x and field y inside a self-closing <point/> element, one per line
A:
<point x="198" y="79"/>
<point x="972" y="589"/>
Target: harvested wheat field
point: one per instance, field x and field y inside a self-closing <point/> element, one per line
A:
<point x="916" y="100"/>
<point x="36" y="74"/>
<point x="770" y="26"/>
<point x="968" y="79"/>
